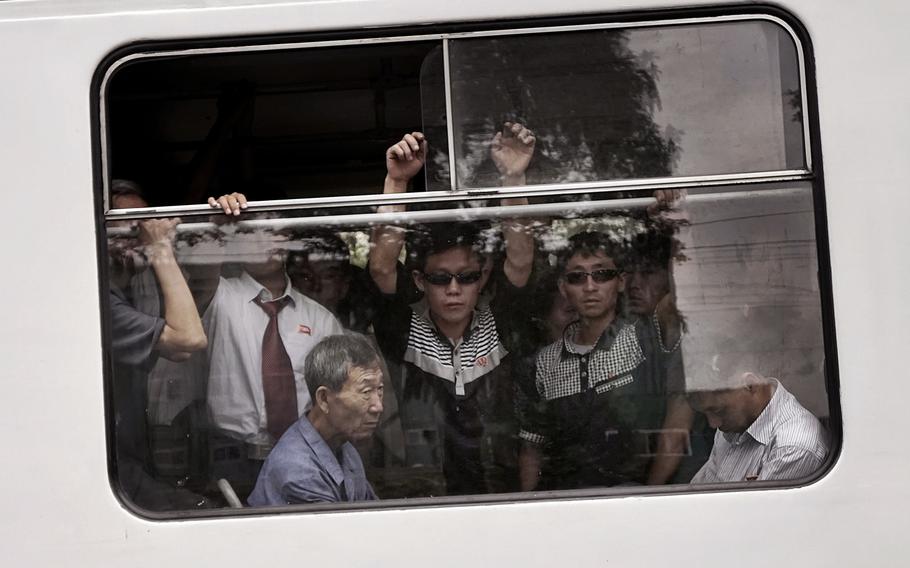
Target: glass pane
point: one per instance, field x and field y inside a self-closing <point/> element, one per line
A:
<point x="549" y="346"/>
<point x="626" y="104"/>
<point x="272" y="124"/>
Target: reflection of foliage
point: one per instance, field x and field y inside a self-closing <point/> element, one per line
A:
<point x="795" y="100"/>
<point x="632" y="233"/>
<point x="586" y="95"/>
<point x="359" y="243"/>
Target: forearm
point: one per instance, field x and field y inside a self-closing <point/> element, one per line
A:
<point x="529" y="466"/>
<point x="519" y="246"/>
<point x="671" y="321"/>
<point x="665" y="463"/>
<point x="673" y="440"/>
<point x="789" y="462"/>
<point x="386" y="242"/>
<point x="183" y="329"/>
<point x="671" y="326"/>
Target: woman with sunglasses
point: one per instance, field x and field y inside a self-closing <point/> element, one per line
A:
<point x="452" y="349"/>
<point x="599" y="394"/>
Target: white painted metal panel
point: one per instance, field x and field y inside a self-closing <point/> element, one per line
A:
<point x="60" y="510"/>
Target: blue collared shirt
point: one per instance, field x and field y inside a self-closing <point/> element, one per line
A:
<point x="303" y="469"/>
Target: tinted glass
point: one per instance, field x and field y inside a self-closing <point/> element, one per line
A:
<point x="274" y="125"/>
<point x="628" y="104"/>
<point x="734" y="270"/>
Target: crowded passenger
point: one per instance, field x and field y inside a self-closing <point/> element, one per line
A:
<point x="649" y="296"/>
<point x="320" y="267"/>
<point x="550" y="312"/>
<point x="315" y="461"/>
<point x="452" y="349"/>
<point x="763" y="432"/>
<point x="322" y="270"/>
<point x="171" y="330"/>
<point x="260" y="331"/>
<point x="601" y="390"/>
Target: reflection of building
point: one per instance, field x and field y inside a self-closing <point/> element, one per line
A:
<point x="737" y="116"/>
<point x="752" y="258"/>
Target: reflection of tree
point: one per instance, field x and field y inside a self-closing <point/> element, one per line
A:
<point x="795" y="100"/>
<point x="588" y="97"/>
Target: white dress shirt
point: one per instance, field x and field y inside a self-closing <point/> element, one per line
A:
<point x="235" y="325"/>
<point x="786" y="441"/>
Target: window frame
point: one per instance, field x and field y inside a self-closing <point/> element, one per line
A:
<point x="145" y="52"/>
<point x="812" y="175"/>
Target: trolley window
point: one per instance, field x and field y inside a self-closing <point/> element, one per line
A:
<point x="618" y="289"/>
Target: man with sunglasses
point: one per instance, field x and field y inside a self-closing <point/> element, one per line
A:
<point x="453" y="350"/>
<point x="599" y="393"/>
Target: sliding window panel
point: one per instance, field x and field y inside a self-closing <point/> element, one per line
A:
<point x="310" y="122"/>
<point x="479" y="318"/>
<point x="636" y="103"/>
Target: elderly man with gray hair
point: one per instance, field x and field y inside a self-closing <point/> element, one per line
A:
<point x="314" y="461"/>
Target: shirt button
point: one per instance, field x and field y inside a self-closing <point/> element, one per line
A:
<point x="584" y="374"/>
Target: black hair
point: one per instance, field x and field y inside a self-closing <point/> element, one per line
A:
<point x="330" y="361"/>
<point x="426" y="240"/>
<point x="125" y="187"/>
<point x="653" y="246"/>
<point x="589" y="244"/>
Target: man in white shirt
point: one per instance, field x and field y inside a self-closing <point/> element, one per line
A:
<point x="245" y="402"/>
<point x="763" y="432"/>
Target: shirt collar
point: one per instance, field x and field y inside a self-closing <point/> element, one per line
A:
<point x="323" y="452"/>
<point x="604" y="342"/>
<point x="422" y="309"/>
<point x="761" y="429"/>
<point x="254" y="289"/>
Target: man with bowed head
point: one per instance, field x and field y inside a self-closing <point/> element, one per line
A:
<point x="763" y="432"/>
<point x="314" y="461"/>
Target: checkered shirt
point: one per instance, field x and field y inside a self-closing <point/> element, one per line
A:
<point x="561" y="371"/>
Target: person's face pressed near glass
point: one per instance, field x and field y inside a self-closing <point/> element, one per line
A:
<point x="326" y="281"/>
<point x="461" y="269"/>
<point x="646" y="284"/>
<point x="561" y="314"/>
<point x="591" y="283"/>
<point x="354" y="411"/>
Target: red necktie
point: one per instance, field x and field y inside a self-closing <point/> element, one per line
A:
<point x="277" y="373"/>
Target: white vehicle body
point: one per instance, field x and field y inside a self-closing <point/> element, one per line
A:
<point x="59" y="506"/>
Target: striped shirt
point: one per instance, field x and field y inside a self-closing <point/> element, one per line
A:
<point x="469" y="358"/>
<point x="467" y="383"/>
<point x="786" y="441"/>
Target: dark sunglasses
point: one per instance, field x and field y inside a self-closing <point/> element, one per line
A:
<point x="444" y="278"/>
<point x="600" y="276"/>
